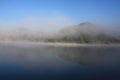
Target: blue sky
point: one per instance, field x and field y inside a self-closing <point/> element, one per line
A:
<point x="77" y="11"/>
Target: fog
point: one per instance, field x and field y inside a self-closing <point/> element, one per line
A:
<point x="34" y="29"/>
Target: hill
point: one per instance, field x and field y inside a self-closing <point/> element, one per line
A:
<point x="84" y="33"/>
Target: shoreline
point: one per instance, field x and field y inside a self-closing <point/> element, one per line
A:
<point x="57" y="43"/>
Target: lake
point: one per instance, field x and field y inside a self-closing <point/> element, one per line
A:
<point x="34" y="61"/>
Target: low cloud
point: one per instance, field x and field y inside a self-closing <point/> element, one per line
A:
<point x="33" y="27"/>
<point x="52" y="26"/>
<point x="44" y="23"/>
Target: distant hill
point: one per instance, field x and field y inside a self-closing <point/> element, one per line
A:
<point x="85" y="33"/>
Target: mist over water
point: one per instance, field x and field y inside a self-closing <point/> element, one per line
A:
<point x="25" y="55"/>
<point x="35" y="31"/>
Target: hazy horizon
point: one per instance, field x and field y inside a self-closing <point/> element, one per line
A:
<point x="34" y="19"/>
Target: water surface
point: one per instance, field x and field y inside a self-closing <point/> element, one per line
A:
<point x="27" y="61"/>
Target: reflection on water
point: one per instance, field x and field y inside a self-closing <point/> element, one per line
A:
<point x="90" y="55"/>
<point x="40" y="62"/>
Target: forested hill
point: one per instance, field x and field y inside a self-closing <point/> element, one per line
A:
<point x="85" y="33"/>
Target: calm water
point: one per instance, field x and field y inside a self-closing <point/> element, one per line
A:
<point x="24" y="61"/>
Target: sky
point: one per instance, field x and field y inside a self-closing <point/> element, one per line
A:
<point x="55" y="14"/>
